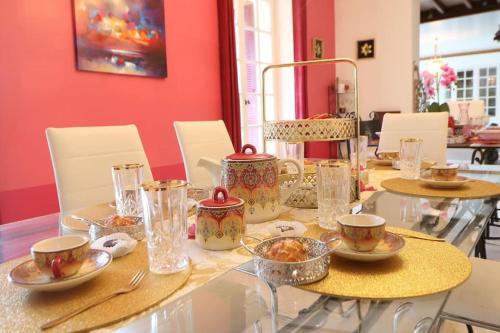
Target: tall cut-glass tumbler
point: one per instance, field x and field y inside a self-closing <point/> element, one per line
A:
<point x="127" y="180"/>
<point x="165" y="218"/>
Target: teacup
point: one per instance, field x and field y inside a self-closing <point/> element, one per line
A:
<point x="361" y="232"/>
<point x="389" y="155"/>
<point x="444" y="172"/>
<point x="61" y="256"/>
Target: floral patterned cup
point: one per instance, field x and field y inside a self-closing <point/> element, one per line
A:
<point x="220" y="221"/>
<point x="361" y="232"/>
<point x="60" y="256"/>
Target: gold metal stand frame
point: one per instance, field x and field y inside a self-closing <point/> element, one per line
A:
<point x="313" y="63"/>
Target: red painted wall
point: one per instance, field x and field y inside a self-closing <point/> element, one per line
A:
<point x="320" y="24"/>
<point x="39" y="87"/>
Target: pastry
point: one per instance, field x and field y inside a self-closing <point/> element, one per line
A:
<point x="119" y="221"/>
<point x="287" y="250"/>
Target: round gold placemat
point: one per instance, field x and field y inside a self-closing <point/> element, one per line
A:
<point x="474" y="189"/>
<point x="422" y="268"/>
<point x="373" y="165"/>
<point x="25" y="311"/>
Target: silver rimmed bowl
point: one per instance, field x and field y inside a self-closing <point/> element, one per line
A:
<point x="98" y="228"/>
<point x="311" y="270"/>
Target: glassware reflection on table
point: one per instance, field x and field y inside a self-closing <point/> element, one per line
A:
<point x="127" y="180"/>
<point x="363" y="150"/>
<point x="295" y="151"/>
<point x="410" y="210"/>
<point x="410" y="156"/>
<point x="333" y="191"/>
<point x="165" y="218"/>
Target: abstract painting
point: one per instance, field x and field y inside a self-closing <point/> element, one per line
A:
<point x="120" y="36"/>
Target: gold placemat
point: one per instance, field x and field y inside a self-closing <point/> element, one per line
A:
<point x="422" y="268"/>
<point x="474" y="189"/>
<point x="373" y="165"/>
<point x="25" y="311"/>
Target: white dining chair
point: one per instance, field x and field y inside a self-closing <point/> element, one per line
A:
<point x="477" y="301"/>
<point x="431" y="127"/>
<point x="198" y="139"/>
<point x="82" y="158"/>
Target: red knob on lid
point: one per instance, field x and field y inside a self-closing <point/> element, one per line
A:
<point x="245" y="155"/>
<point x="220" y="198"/>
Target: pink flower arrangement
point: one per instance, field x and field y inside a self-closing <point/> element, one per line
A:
<point x="448" y="77"/>
<point x="429" y="80"/>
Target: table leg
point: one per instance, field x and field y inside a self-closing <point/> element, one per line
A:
<point x="274" y="307"/>
<point x="479" y="159"/>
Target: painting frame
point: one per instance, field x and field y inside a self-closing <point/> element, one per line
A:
<point x="366" y="49"/>
<point x="318" y="48"/>
<point x="147" y="57"/>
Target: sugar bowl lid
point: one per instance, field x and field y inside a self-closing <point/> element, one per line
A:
<point x="220" y="198"/>
<point x="244" y="155"/>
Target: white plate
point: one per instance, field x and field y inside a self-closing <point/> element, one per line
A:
<point x="388" y="247"/>
<point x="458" y="182"/>
<point x="27" y="275"/>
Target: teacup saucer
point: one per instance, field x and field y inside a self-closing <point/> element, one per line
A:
<point x="27" y="275"/>
<point x="457" y="182"/>
<point x="388" y="247"/>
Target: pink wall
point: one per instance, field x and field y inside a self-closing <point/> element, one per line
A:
<point x="39" y="87"/>
<point x="320" y="24"/>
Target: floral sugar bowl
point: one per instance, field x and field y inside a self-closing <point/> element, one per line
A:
<point x="220" y="221"/>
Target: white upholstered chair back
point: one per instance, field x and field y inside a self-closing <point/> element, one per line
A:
<point x="82" y="158"/>
<point x="431" y="127"/>
<point x="199" y="139"/>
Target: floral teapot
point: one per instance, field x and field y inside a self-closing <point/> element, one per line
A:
<point x="254" y="178"/>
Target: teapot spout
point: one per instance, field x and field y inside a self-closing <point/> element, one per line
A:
<point x="213" y="166"/>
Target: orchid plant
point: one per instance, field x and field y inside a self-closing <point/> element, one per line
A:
<point x="431" y="82"/>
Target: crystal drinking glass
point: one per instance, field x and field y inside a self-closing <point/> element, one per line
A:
<point x="410" y="156"/>
<point x="363" y="150"/>
<point x="165" y="218"/>
<point x="295" y="151"/>
<point x="333" y="182"/>
<point x="127" y="180"/>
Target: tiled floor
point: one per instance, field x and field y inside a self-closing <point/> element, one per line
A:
<point x="493" y="253"/>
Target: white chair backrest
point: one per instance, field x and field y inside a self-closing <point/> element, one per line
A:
<point x="199" y="139"/>
<point x="82" y="158"/>
<point x="476" y="108"/>
<point x="431" y="127"/>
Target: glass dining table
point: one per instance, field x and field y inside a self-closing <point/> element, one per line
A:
<point x="238" y="301"/>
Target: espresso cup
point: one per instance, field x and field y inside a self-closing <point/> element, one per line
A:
<point x="361" y="232"/>
<point x="444" y="172"/>
<point x="61" y="256"/>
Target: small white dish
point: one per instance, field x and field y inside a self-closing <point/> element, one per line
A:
<point x="459" y="181"/>
<point x="28" y="276"/>
<point x="388" y="247"/>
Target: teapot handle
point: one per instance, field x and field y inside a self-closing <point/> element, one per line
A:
<point x="285" y="194"/>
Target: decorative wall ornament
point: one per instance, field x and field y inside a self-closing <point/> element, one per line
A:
<point x="120" y="36"/>
<point x="366" y="49"/>
<point x="318" y="48"/>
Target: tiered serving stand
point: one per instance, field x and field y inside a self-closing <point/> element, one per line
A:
<point x="307" y="130"/>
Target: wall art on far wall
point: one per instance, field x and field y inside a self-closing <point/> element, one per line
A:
<point x="120" y="37"/>
<point x="318" y="48"/>
<point x="366" y="49"/>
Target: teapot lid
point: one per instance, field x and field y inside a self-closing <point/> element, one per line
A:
<point x="217" y="201"/>
<point x="244" y="155"/>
